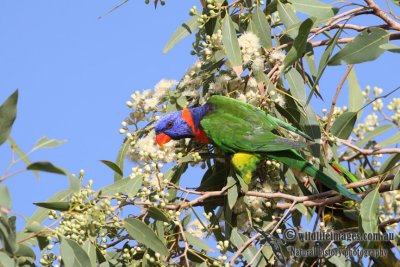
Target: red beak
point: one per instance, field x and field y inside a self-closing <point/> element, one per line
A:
<point x="162" y="139"/>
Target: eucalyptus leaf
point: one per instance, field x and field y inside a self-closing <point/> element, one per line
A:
<point x="8" y="113"/>
<point x="250" y="252"/>
<point x="261" y="28"/>
<point x="344" y="125"/>
<point x="369" y="212"/>
<point x="376" y="132"/>
<point x="231" y="45"/>
<point x="45" y="166"/>
<point x="389" y="163"/>
<point x="6" y="261"/>
<point x="299" y="43"/>
<point x="287" y="14"/>
<point x="112" y="166"/>
<point x="394" y="139"/>
<point x="90" y="250"/>
<point x="196" y="242"/>
<point x="296" y="85"/>
<point x="233" y="192"/>
<point x="73" y="255"/>
<point x="158" y="214"/>
<point x="364" y="47"/>
<point x="145" y="235"/>
<point x="130" y="186"/>
<point x="45" y="142"/>
<point x="5" y="198"/>
<point x="396" y="181"/>
<point x="183" y="31"/>
<point x="121" y="158"/>
<point x="314" y="8"/>
<point x="356" y="99"/>
<point x="391" y="48"/>
<point x="60" y="206"/>
<point x="21" y="154"/>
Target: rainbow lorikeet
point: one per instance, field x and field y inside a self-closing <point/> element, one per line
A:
<point x="245" y="131"/>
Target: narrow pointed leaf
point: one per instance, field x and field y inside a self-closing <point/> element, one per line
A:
<point x="391" y="48"/>
<point x="90" y="250"/>
<point x="8" y="113"/>
<point x="45" y="166"/>
<point x="300" y="42"/>
<point x="112" y="166"/>
<point x="145" y="235"/>
<point x="231" y="45"/>
<point x="21" y="154"/>
<point x="120" y="161"/>
<point x="287" y="14"/>
<point x="73" y="255"/>
<point x="5" y="199"/>
<point x="394" y="139"/>
<point x="196" y="242"/>
<point x="183" y="31"/>
<point x="389" y="163"/>
<point x="369" y="212"/>
<point x="356" y="99"/>
<point x="60" y="206"/>
<point x="45" y="142"/>
<point x="376" y="132"/>
<point x="158" y="214"/>
<point x="364" y="47"/>
<point x="262" y="28"/>
<point x="296" y="85"/>
<point x="130" y="186"/>
<point x="344" y="125"/>
<point x="314" y="8"/>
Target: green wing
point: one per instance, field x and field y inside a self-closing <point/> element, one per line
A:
<point x="236" y="126"/>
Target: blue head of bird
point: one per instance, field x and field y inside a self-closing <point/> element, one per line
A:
<point x="172" y="126"/>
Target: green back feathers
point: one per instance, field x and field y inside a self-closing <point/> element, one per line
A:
<point x="236" y="126"/>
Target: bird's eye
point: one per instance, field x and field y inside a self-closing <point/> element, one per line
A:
<point x="170" y="124"/>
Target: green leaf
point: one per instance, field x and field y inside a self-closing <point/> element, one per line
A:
<point x="396" y="2"/>
<point x="364" y="47"/>
<point x="369" y="212"/>
<point x="231" y="45"/>
<point x="323" y="63"/>
<point x="158" y="214"/>
<point x="7" y="234"/>
<point x="8" y="113"/>
<point x="112" y="166"/>
<point x="25" y="251"/>
<point x="377" y="131"/>
<point x="389" y="163"/>
<point x="121" y="158"/>
<point x="5" y="198"/>
<point x="250" y="252"/>
<point x="314" y="8"/>
<point x="344" y="125"/>
<point x="130" y="186"/>
<point x="145" y="235"/>
<point x="356" y="99"/>
<point x="196" y="242"/>
<point x="261" y="28"/>
<point x="287" y="14"/>
<point x="233" y="192"/>
<point x="21" y="154"/>
<point x="394" y="139"/>
<point x="73" y="255"/>
<point x="45" y="166"/>
<point x="184" y="30"/>
<point x="60" y="206"/>
<point x="391" y="48"/>
<point x="396" y="181"/>
<point x="6" y="261"/>
<point x="299" y="43"/>
<point x="90" y="250"/>
<point x="296" y="85"/>
<point x="45" y="142"/>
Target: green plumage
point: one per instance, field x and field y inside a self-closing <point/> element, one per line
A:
<point x="235" y="127"/>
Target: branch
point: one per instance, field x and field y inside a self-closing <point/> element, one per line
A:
<point x="366" y="152"/>
<point x="380" y="13"/>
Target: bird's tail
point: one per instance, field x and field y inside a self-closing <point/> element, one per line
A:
<point x="293" y="160"/>
<point x="291" y="128"/>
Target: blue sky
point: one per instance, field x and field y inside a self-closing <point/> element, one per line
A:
<point x="75" y="72"/>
